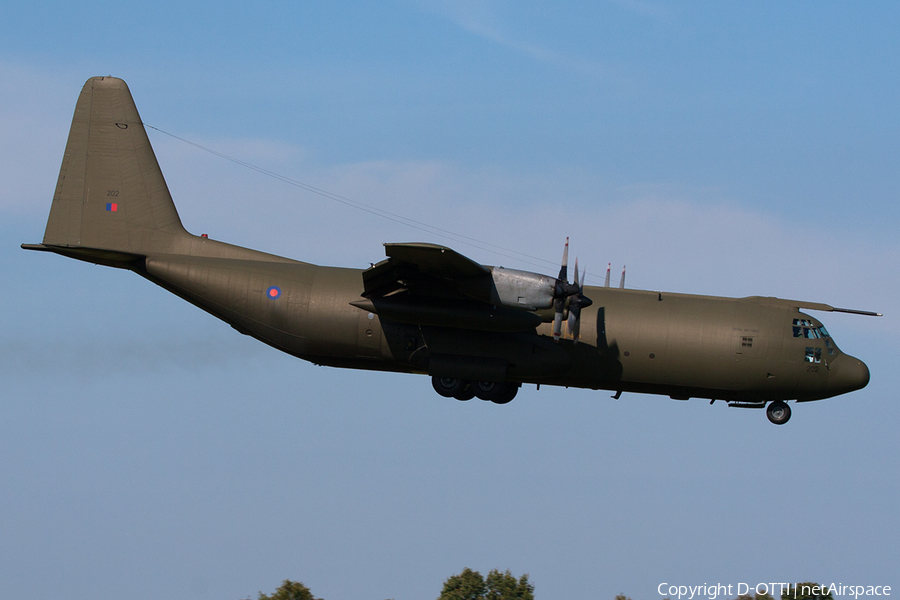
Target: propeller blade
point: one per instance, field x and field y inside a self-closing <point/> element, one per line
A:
<point x="574" y="322"/>
<point x="575" y="308"/>
<point x="557" y="321"/>
<point x="564" y="269"/>
<point x="561" y="293"/>
<point x="574" y="326"/>
<point x="581" y="287"/>
<point x="577" y="302"/>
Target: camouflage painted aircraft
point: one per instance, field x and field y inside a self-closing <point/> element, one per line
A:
<point x="476" y="330"/>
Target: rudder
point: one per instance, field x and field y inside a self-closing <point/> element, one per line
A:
<point x="111" y="194"/>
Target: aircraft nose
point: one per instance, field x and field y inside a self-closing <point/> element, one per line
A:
<point x="850" y="374"/>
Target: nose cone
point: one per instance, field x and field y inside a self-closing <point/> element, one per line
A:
<point x="848" y="373"/>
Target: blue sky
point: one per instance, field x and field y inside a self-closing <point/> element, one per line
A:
<point x="732" y="149"/>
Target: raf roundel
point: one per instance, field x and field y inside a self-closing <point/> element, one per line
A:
<point x="273" y="292"/>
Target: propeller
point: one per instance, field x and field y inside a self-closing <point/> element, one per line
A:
<point x="560" y="293"/>
<point x="576" y="303"/>
<point x="565" y="290"/>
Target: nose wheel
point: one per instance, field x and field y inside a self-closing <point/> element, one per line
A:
<point x="778" y="412"/>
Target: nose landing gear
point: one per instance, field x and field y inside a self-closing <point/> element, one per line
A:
<point x="778" y="412"/>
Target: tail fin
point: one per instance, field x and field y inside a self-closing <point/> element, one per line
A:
<point x="111" y="199"/>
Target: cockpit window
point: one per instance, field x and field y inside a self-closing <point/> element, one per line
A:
<point x="804" y="328"/>
<point x="813" y="355"/>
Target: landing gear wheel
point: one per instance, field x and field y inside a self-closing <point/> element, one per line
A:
<point x="448" y="387"/>
<point x="778" y="412"/>
<point x="509" y="392"/>
<point x="487" y="390"/>
<point x="467" y="393"/>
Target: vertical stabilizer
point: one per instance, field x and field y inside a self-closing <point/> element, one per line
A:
<point x="111" y="194"/>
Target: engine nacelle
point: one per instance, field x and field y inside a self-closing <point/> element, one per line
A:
<point x="522" y="289"/>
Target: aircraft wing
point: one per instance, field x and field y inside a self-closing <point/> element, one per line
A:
<point x="419" y="265"/>
<point x="428" y="284"/>
<point x="436" y="260"/>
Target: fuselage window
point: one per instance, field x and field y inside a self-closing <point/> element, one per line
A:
<point x="813" y="355"/>
<point x="747" y="342"/>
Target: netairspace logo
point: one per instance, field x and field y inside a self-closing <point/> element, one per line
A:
<point x="776" y="590"/>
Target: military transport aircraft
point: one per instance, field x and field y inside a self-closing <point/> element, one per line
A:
<point x="476" y="330"/>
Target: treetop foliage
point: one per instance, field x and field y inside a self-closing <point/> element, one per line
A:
<point x="290" y="590"/>
<point x="471" y="585"/>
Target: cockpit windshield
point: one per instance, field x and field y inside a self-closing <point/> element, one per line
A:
<point x="804" y="328"/>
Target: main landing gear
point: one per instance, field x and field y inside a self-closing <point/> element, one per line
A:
<point x="498" y="393"/>
<point x="778" y="412"/>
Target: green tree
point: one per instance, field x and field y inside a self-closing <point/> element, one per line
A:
<point x="503" y="586"/>
<point x="468" y="585"/>
<point x="471" y="585"/>
<point x="290" y="590"/>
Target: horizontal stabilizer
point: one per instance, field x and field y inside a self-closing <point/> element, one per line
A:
<point x="107" y="258"/>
